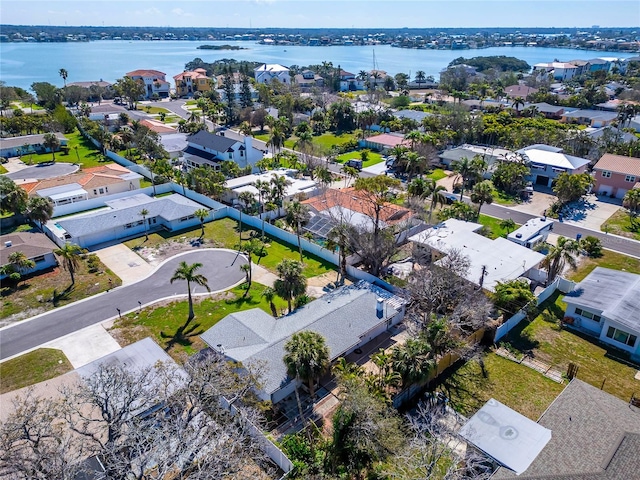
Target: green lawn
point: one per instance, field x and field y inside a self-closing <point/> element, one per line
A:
<point x="3" y="170"/>
<point x="31" y="106"/>
<point x="224" y="233"/>
<point x="597" y="363"/>
<point x="150" y="109"/>
<point x="620" y="224"/>
<point x="609" y="259"/>
<point x="521" y="388"/>
<point x="86" y="154"/>
<point x="31" y="368"/>
<point x="502" y="198"/>
<point x="163" y="322"/>
<point x="437" y="174"/>
<point x="374" y="158"/>
<point x="492" y="224"/>
<point x="262" y="136"/>
<point x="328" y="140"/>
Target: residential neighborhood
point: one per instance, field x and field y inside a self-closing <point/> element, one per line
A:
<point x="270" y="271"/>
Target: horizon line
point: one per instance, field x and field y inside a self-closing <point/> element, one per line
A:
<point x="314" y="28"/>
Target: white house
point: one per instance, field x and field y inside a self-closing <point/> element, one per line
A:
<point x="122" y="219"/>
<point x="532" y="232"/>
<point x="558" y="70"/>
<point x="267" y="73"/>
<point x="490" y="261"/>
<point x="347" y="318"/>
<point x="209" y="149"/>
<point x="606" y="304"/>
<point x="154" y="81"/>
<point x="547" y="162"/>
<point x="297" y="187"/>
<point x="35" y="246"/>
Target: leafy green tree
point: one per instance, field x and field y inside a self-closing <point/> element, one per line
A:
<point x="413" y="360"/>
<point x="129" y="89"/>
<point x="290" y="283"/>
<point x="469" y="171"/>
<point x="510" y="177"/>
<point x="70" y="255"/>
<point x="52" y="143"/>
<point x="482" y="193"/>
<point x="12" y="197"/>
<point x="513" y="295"/>
<point x="187" y="272"/>
<point x="591" y="245"/>
<point x="40" y="210"/>
<point x="297" y="216"/>
<point x="306" y="357"/>
<point x="17" y="265"/>
<point x="459" y="210"/>
<point x="565" y="252"/>
<point x="571" y="187"/>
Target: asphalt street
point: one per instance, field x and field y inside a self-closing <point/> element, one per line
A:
<point x="220" y="267"/>
<point x="41" y="172"/>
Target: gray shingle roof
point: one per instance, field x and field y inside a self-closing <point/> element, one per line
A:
<point x="342" y="317"/>
<point x="37" y="139"/>
<point x="614" y="293"/>
<point x="209" y="140"/>
<point x="168" y="208"/>
<point x="594" y="436"/>
<point x="31" y="244"/>
<point x="414" y="115"/>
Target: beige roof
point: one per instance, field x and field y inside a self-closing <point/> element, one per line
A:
<point x="31" y="244"/>
<point x="619" y="164"/>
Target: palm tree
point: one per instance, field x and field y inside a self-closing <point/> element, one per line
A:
<point x="508" y="224"/>
<point x="264" y="189"/>
<point x="269" y="294"/>
<point x="279" y="185"/>
<point x="338" y="237"/>
<point x="39" y="209"/>
<point x="246" y="268"/>
<point x="188" y="273"/>
<point x="323" y="176"/>
<point x="194" y="117"/>
<point x="143" y="213"/>
<point x="420" y="77"/>
<point x="517" y="103"/>
<point x="64" y="74"/>
<point x="245" y="199"/>
<point x="414" y="163"/>
<point x="306" y="357"/>
<point x="413" y="361"/>
<point x="297" y="216"/>
<point x="276" y="139"/>
<point x="482" y="193"/>
<point x="70" y="255"/>
<point x="305" y="139"/>
<point x="18" y="263"/>
<point x="433" y="193"/>
<point x="464" y="170"/>
<point x="290" y="283"/>
<point x="563" y="253"/>
<point x="631" y="202"/>
<point x="201" y="214"/>
<point x="350" y="173"/>
<point x="51" y="142"/>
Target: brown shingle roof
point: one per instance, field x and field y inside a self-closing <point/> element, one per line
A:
<point x="619" y="164"/>
<point x="31" y="244"/>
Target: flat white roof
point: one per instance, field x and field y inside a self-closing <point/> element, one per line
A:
<point x="502" y="433"/>
<point x="530" y="229"/>
<point x="62" y="191"/>
<point x="499" y="259"/>
<point x="246" y="183"/>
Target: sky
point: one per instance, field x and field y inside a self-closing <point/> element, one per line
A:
<point x="324" y="13"/>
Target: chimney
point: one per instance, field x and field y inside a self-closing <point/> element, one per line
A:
<point x="8" y="243"/>
<point x="379" y="307"/>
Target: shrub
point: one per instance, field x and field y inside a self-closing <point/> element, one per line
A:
<point x="93" y="263"/>
<point x="592" y="246"/>
<point x="302" y="300"/>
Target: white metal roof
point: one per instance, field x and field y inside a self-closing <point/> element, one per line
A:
<point x="62" y="191"/>
<point x="507" y="436"/>
<point x="554" y="159"/>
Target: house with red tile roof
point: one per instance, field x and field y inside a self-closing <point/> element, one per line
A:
<point x="615" y="175"/>
<point x="86" y="184"/>
<point x="188" y="83"/>
<point x="154" y="82"/>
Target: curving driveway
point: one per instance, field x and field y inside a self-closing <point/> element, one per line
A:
<point x="40" y="172"/>
<point x="220" y="267"/>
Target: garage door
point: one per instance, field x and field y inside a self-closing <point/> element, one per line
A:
<point x="621" y="192"/>
<point x="605" y="190"/>
<point x="542" y="180"/>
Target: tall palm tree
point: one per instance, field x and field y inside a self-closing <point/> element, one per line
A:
<point x="339" y="237"/>
<point x="70" y="255"/>
<point x="517" y="103"/>
<point x="269" y="294"/>
<point x="201" y="214"/>
<point x="279" y="184"/>
<point x="413" y="361"/>
<point x="433" y="193"/>
<point x="52" y="143"/>
<point x="276" y="139"/>
<point x="631" y="202"/>
<point x="420" y="77"/>
<point x="350" y="173"/>
<point x="482" y="193"/>
<point x="464" y="170"/>
<point x="188" y="273"/>
<point x="64" y="74"/>
<point x="40" y="209"/>
<point x="246" y="268"/>
<point x="306" y="357"/>
<point x="143" y="213"/>
<point x="563" y="253"/>
<point x="297" y="216"/>
<point x="290" y="283"/>
<point x="264" y="189"/>
<point x="414" y="163"/>
<point x="305" y="139"/>
<point x="245" y="199"/>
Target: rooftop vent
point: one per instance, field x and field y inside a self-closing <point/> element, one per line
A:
<point x="8" y="243"/>
<point x="518" y="235"/>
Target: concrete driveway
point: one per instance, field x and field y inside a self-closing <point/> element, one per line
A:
<point x="125" y="263"/>
<point x="537" y="203"/>
<point x="591" y="212"/>
<point x="40" y="172"/>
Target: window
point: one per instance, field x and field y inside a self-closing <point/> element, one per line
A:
<point x="101" y="191"/>
<point x="589" y="315"/>
<point x="621" y="336"/>
<point x="630" y="178"/>
<point x="230" y="155"/>
<point x="38" y="259"/>
<point x="606" y="174"/>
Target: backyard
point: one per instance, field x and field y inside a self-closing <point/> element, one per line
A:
<point x="223" y="233"/>
<point x="492" y="228"/>
<point x="620" y="224"/>
<point x="373" y="158"/>
<point x="80" y="150"/>
<point x="324" y="141"/>
<point x="166" y="322"/>
<point x="31" y="368"/>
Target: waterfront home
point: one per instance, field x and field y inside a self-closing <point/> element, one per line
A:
<point x="26" y="144"/>
<point x="122" y="219"/>
<point x="86" y="184"/>
<point x="308" y="79"/>
<point x="605" y="305"/>
<point x="188" y="83"/>
<point x="490" y="261"/>
<point x="347" y="318"/>
<point x="547" y="162"/>
<point x="267" y="73"/>
<point x="615" y="175"/>
<point x="209" y="149"/>
<point x="349" y="82"/>
<point x="556" y="70"/>
<point x="154" y="82"/>
<point x="35" y="246"/>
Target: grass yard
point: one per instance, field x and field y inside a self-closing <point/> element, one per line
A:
<point x="620" y="224"/>
<point x="328" y="140"/>
<point x="47" y="290"/>
<point x="373" y="159"/>
<point x="86" y="154"/>
<point x="609" y="259"/>
<point x="437" y="174"/>
<point x="156" y="110"/>
<point x="224" y="233"/>
<point x="519" y="387"/>
<point x="502" y="198"/>
<point x="597" y="363"/>
<point x="163" y="323"/>
<point x="492" y="224"/>
<point x="3" y="170"/>
<point x="31" y="368"/>
<point x="30" y="106"/>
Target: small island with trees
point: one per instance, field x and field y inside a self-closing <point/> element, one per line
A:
<point x="221" y="47"/>
<point x="500" y="63"/>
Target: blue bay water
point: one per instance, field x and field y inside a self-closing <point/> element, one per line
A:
<point x="21" y="64"/>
